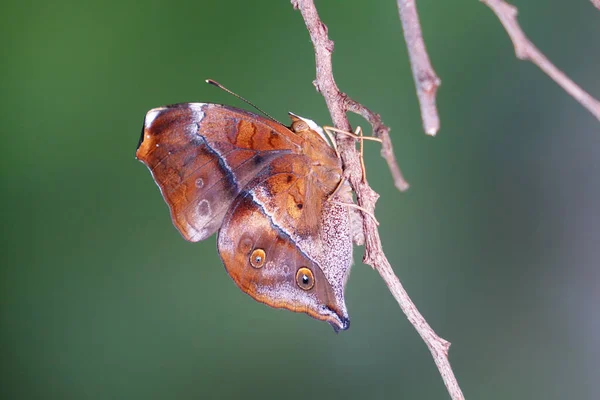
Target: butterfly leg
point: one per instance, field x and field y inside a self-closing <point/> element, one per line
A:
<point x="357" y="135"/>
<point x="362" y="153"/>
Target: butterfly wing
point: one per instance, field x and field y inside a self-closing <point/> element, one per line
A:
<point x="267" y="188"/>
<point x="202" y="155"/>
<point x="266" y="263"/>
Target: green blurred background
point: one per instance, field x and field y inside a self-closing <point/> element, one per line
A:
<point x="497" y="241"/>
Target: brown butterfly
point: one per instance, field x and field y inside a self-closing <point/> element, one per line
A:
<point x="272" y="193"/>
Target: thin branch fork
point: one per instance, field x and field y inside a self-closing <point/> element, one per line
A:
<point x="383" y="132"/>
<point x="526" y="50"/>
<point x="338" y="104"/>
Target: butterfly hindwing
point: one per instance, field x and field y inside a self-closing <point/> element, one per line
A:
<point x="276" y="278"/>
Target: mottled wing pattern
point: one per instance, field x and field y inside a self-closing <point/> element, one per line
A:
<point x="247" y="228"/>
<point x="267" y="188"/>
<point x="294" y="188"/>
<point x="201" y="160"/>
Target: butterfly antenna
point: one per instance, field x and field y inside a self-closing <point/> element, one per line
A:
<point x="217" y="84"/>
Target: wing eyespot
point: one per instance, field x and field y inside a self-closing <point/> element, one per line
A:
<point x="257" y="258"/>
<point x="305" y="278"/>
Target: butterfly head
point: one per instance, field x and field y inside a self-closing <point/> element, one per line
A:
<point x="302" y="126"/>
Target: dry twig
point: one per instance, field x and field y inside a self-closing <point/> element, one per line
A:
<point x="338" y="104"/>
<point x="525" y="50"/>
<point x="383" y="132"/>
<point x="426" y="80"/>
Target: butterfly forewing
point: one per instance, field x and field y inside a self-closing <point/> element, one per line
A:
<point x="202" y="155"/>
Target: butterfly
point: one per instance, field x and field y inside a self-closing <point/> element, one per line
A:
<point x="273" y="193"/>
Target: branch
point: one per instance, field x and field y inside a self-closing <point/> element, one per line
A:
<point x="383" y="132"/>
<point x="525" y="50"/>
<point x="338" y="104"/>
<point x="426" y="80"/>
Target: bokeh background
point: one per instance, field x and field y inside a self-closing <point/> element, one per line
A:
<point x="497" y="241"/>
